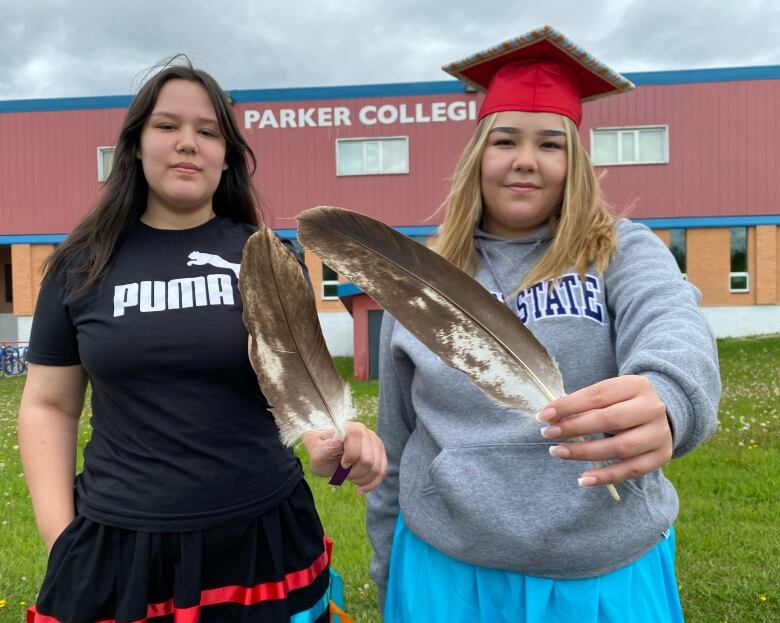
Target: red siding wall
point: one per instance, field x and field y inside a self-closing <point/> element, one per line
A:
<point x="722" y="149"/>
<point x="48" y="167"/>
<point x="723" y="158"/>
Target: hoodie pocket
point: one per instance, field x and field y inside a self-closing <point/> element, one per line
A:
<point x="515" y="507"/>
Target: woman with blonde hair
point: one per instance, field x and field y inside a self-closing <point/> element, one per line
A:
<point x="482" y="517"/>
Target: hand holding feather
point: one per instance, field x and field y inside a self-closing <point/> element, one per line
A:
<point x="361" y="451"/>
<point x="288" y="353"/>
<point x="442" y="306"/>
<point x="626" y="406"/>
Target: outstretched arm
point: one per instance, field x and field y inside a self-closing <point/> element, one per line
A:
<point x="665" y="401"/>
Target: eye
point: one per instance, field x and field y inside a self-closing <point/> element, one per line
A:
<point x="552" y="145"/>
<point x="503" y="141"/>
<point x="165" y="125"/>
<point x="210" y="133"/>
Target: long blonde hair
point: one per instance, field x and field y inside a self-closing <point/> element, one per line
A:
<point x="583" y="228"/>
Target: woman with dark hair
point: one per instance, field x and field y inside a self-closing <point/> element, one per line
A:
<point x="188" y="507"/>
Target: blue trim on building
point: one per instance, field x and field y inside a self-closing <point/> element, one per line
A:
<point x="403" y="89"/>
<point x="694" y="76"/>
<point x="349" y="92"/>
<point x="418" y="231"/>
<point x="422" y="232"/>
<point x="33" y="239"/>
<point x="290" y="234"/>
<point x="345" y="290"/>
<point x="67" y="103"/>
<point x="709" y="221"/>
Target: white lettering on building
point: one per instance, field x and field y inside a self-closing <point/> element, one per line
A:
<point x="385" y="114"/>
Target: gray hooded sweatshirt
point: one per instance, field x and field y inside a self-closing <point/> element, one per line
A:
<point x="476" y="481"/>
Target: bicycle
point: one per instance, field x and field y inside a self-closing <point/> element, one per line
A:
<point x="13" y="360"/>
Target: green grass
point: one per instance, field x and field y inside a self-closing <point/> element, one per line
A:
<point x="728" y="557"/>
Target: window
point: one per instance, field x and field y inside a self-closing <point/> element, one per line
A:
<point x="677" y="247"/>
<point x="739" y="279"/>
<point x="330" y="284"/>
<point x="9" y="286"/>
<point x="646" y="145"/>
<point x="105" y="159"/>
<point x="372" y="156"/>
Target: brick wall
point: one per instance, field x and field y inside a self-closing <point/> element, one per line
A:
<point x="766" y="265"/>
<point x="708" y="255"/>
<point x="26" y="262"/>
<point x="663" y="234"/>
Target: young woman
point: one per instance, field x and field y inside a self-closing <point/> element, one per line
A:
<point x="188" y="507"/>
<point x="482" y="517"/>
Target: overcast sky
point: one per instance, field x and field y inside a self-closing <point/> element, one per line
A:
<point x="76" y="48"/>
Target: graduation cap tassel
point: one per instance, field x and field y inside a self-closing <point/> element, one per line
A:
<point x="442" y="306"/>
<point x="294" y="368"/>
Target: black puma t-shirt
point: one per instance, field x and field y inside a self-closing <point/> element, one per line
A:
<point x="181" y="435"/>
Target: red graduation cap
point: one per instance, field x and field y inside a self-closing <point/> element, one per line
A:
<point x="540" y="71"/>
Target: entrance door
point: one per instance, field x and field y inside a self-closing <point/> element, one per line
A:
<point x="374" y="328"/>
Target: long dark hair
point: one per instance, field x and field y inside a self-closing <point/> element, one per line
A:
<point x="88" y="252"/>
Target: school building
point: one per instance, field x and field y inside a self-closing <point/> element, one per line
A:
<point x="693" y="153"/>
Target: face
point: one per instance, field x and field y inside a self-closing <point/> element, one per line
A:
<point x="182" y="150"/>
<point x="523" y="172"/>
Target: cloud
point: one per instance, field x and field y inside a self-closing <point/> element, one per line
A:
<point x="53" y="48"/>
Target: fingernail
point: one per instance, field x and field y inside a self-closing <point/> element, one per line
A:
<point x="551" y="431"/>
<point x="562" y="452"/>
<point x="587" y="481"/>
<point x="545" y="415"/>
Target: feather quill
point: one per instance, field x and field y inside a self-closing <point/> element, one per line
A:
<point x="442" y="306"/>
<point x="293" y="366"/>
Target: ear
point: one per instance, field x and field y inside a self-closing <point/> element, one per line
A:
<point x="224" y="166"/>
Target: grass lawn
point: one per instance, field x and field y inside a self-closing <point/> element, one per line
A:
<point x="728" y="531"/>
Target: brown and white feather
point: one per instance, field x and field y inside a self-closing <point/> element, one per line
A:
<point x="293" y="365"/>
<point x="442" y="306"/>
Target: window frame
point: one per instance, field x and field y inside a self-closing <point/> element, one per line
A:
<point x="102" y="175"/>
<point x="372" y="139"/>
<point x="738" y="273"/>
<point x="636" y="129"/>
<point x="328" y="282"/>
<point x="747" y="282"/>
<point x="684" y="231"/>
<point x="8" y="274"/>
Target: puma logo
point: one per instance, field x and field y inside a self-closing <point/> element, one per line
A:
<point x="181" y="293"/>
<point x="201" y="259"/>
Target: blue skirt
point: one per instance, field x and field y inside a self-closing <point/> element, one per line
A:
<point x="427" y="585"/>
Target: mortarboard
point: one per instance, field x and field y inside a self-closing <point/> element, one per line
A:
<point x="540" y="71"/>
